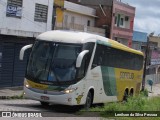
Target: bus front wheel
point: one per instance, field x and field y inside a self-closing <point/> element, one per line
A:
<point x="44" y="103"/>
<point x="88" y="103"/>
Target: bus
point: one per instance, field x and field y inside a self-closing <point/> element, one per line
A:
<point x="78" y="68"/>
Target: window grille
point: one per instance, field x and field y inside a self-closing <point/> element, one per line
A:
<point x="41" y="12"/>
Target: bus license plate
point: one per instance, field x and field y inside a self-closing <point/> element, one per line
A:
<point x="44" y="98"/>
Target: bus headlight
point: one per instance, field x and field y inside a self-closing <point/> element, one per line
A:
<point x="69" y="90"/>
<point x="26" y="84"/>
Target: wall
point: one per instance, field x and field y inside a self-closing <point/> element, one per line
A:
<point x="66" y="12"/>
<point x="25" y="25"/>
<point x="154" y="77"/>
<point x="139" y="36"/>
<point x="155" y="39"/>
<point x="79" y="19"/>
<point x="126" y="31"/>
<point x="93" y="2"/>
<point x="79" y="8"/>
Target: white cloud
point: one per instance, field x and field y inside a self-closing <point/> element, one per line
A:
<point x="147" y="16"/>
<point x="148" y="25"/>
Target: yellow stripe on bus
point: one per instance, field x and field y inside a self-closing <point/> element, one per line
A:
<point x="117" y="45"/>
<point x="36" y="85"/>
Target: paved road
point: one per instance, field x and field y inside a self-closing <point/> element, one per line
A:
<point x="31" y="105"/>
<point x="58" y="112"/>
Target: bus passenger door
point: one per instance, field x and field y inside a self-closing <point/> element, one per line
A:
<point x="94" y="79"/>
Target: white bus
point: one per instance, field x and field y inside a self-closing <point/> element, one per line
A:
<point x="76" y="68"/>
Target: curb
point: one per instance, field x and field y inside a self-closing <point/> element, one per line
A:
<point x="13" y="88"/>
<point x="4" y="97"/>
<point x="11" y="97"/>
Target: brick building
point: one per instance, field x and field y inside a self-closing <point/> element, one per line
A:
<point x="116" y="17"/>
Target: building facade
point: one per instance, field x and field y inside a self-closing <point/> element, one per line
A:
<point x="116" y="17"/>
<point x="154" y="55"/>
<point x="154" y="43"/>
<point x="103" y="12"/>
<point x="20" y="22"/>
<point x="122" y="22"/>
<point x="76" y="17"/>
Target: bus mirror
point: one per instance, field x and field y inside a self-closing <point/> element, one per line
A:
<point x="22" y="51"/>
<point x="80" y="58"/>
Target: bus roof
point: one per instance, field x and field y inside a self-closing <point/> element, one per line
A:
<point x="70" y="36"/>
<point x="82" y="37"/>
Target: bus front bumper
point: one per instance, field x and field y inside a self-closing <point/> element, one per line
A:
<point x="64" y="99"/>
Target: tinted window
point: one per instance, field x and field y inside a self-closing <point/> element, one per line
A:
<point x="112" y="57"/>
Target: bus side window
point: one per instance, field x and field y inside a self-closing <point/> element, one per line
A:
<point x="98" y="57"/>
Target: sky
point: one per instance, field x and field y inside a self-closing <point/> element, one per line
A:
<point x="147" y="15"/>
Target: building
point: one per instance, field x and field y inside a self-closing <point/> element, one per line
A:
<point x="154" y="43"/>
<point x="103" y="12"/>
<point x="155" y="40"/>
<point x="20" y="22"/>
<point x="116" y="17"/>
<point x="139" y="40"/>
<point x="72" y="16"/>
<point x="122" y="22"/>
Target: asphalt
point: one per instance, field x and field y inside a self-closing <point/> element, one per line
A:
<point x="6" y="93"/>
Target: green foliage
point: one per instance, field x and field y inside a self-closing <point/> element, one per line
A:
<point x="17" y="96"/>
<point x="144" y="93"/>
<point x="136" y="103"/>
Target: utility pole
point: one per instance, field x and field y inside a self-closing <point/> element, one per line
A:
<point x="145" y="60"/>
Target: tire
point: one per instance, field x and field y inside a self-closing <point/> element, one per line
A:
<point x="125" y="97"/>
<point x="88" y="103"/>
<point x="131" y="93"/>
<point x="44" y="103"/>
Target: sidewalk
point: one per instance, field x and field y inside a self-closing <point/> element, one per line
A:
<point x="6" y="93"/>
<point x="155" y="90"/>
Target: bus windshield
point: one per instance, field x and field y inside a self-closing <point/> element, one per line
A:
<point x="53" y="62"/>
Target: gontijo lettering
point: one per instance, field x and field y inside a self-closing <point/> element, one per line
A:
<point x="126" y="75"/>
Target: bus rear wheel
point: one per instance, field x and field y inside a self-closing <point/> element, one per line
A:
<point x="125" y="97"/>
<point x="88" y="103"/>
<point x="44" y="103"/>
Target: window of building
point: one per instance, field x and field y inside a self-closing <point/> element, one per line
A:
<point x="121" y="21"/>
<point x="72" y="19"/>
<point x="41" y="12"/>
<point x="65" y="21"/>
<point x="88" y="23"/>
<point x="72" y="22"/>
<point x="14" y="8"/>
<point x="115" y="21"/>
